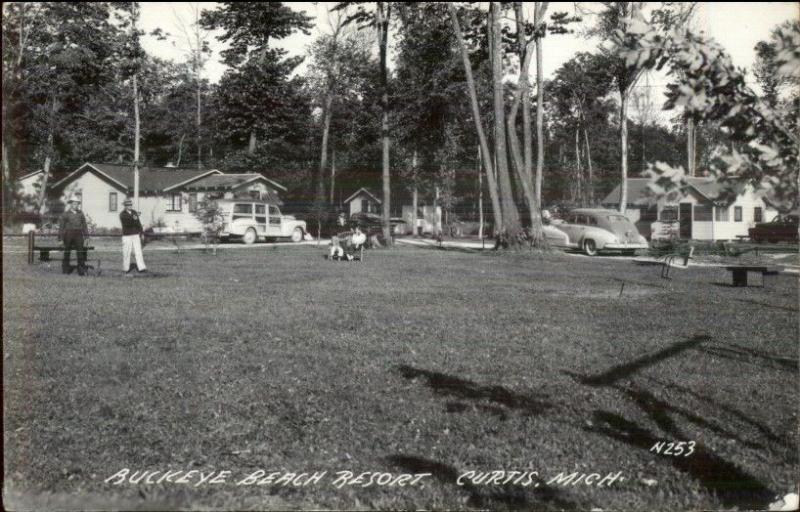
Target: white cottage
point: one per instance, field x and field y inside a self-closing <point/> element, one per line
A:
<point x="168" y="196"/>
<point x="363" y="201"/>
<point x="696" y="215"/>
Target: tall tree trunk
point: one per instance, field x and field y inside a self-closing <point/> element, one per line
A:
<point x="480" y="197"/>
<point x="690" y="146"/>
<point x="51" y="128"/>
<point x="511" y="224"/>
<point x="251" y="147"/>
<point x="486" y="155"/>
<point x="333" y="174"/>
<point x="578" y="163"/>
<point x="539" y="11"/>
<point x="7" y="183"/>
<point x="623" y="140"/>
<point x="522" y="164"/>
<point x="383" y="15"/>
<point x="414" y="194"/>
<point x="437" y="220"/>
<point x="199" y="123"/>
<point x="136" y="130"/>
<point x="590" y="182"/>
<point x="323" y="158"/>
<point x="180" y="150"/>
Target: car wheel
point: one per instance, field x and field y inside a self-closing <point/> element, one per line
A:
<point x="297" y="235"/>
<point x="589" y="247"/>
<point x="249" y="236"/>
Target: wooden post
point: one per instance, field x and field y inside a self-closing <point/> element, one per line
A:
<point x="31" y="240"/>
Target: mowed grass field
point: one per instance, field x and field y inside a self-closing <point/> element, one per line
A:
<point x="416" y="361"/>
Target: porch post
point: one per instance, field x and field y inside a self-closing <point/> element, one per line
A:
<point x="713" y="220"/>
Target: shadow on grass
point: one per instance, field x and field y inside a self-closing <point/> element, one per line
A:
<point x="448" y="385"/>
<point x="744" y="354"/>
<point x="732" y="486"/>
<point x="490" y="497"/>
<point x="767" y="305"/>
<point x="446" y="248"/>
<point x="764" y="430"/>
<point x="626" y="370"/>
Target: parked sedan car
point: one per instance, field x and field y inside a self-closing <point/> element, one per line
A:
<point x="781" y="228"/>
<point x="595" y="230"/>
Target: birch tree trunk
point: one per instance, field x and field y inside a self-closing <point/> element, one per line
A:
<point x="333" y="174"/>
<point x="251" y="147"/>
<point x="590" y="183"/>
<point x="539" y="12"/>
<point x="383" y="35"/>
<point x="180" y="150"/>
<point x="476" y="116"/>
<point x="623" y="140"/>
<point x="51" y="128"/>
<point x="414" y="195"/>
<point x="480" y="197"/>
<point x="323" y="159"/>
<point x="199" y="122"/>
<point x="511" y="224"/>
<point x="136" y="130"/>
<point x="690" y="146"/>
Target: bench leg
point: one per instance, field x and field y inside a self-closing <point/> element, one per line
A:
<point x="739" y="278"/>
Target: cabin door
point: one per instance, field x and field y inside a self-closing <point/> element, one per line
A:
<point x="685" y="220"/>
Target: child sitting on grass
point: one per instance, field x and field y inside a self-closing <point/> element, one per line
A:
<point x="337" y="252"/>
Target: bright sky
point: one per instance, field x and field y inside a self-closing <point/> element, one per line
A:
<point x="737" y="26"/>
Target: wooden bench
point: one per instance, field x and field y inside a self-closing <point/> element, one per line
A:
<point x="739" y="273"/>
<point x="45" y="250"/>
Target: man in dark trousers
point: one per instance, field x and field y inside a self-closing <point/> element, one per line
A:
<point x="131" y="238"/>
<point x="72" y="230"/>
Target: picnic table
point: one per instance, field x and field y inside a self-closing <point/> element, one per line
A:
<point x="739" y="273"/>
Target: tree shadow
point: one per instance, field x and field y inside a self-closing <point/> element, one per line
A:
<point x="448" y="385"/>
<point x="626" y="370"/>
<point x="764" y="430"/>
<point x="448" y="248"/>
<point x="767" y="305"/>
<point x="732" y="486"/>
<point x="510" y="497"/>
<point x="744" y="354"/>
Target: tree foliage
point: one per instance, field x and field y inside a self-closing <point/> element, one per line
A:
<point x="712" y="89"/>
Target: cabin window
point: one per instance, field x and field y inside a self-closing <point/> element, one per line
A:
<point x="193" y="202"/>
<point x="737" y="214"/>
<point x="112" y="201"/>
<point x="758" y="214"/>
<point x="648" y="213"/>
<point x="364" y="206"/>
<point x="702" y="212"/>
<point x="669" y="214"/>
<point x="721" y="214"/>
<point x="175" y="202"/>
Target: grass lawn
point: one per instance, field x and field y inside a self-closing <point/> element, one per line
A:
<point x="416" y="361"/>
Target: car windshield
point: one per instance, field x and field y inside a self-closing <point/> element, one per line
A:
<point x="618" y="220"/>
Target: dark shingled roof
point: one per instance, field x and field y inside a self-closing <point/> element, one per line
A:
<point x="637" y="190"/>
<point x="229" y="181"/>
<point x="151" y="179"/>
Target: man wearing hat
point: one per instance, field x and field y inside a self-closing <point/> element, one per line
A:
<point x="131" y="238"/>
<point x="72" y="230"/>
